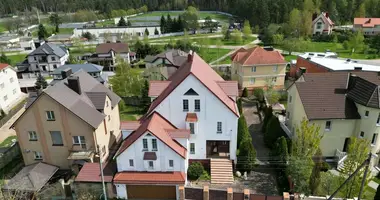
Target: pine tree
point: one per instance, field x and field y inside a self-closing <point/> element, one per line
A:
<point x="169" y="24"/>
<point x="242" y="130"/>
<point x="129" y="23"/>
<point x="41" y="82"/>
<point x="4" y="59"/>
<point x="156" y="31"/>
<point x="247" y="156"/>
<point x="56" y="21"/>
<point x="163" y="24"/>
<point x="315" y="178"/>
<point x="146" y="32"/>
<point x="180" y="26"/>
<point x="42" y="33"/>
<point x="122" y="22"/>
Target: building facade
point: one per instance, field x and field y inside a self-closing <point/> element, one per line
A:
<point x="74" y="121"/>
<point x="322" y="24"/>
<point x="257" y="67"/>
<point x="10" y="93"/>
<point x="368" y="26"/>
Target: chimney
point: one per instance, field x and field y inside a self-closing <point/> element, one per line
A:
<point x="315" y="15"/>
<point x="73" y="83"/>
<point x="190" y="57"/>
<point x="66" y="73"/>
<point x="327" y="15"/>
<point x="357" y="68"/>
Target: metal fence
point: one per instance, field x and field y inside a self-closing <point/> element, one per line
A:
<point x="12" y="112"/>
<point x="9" y="154"/>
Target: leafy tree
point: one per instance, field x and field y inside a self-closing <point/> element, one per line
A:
<point x="247" y="29"/>
<point x="163" y="24"/>
<point x="74" y="60"/>
<point x="247" y="156"/>
<point x="180" y="25"/>
<point x="55" y="20"/>
<point x="42" y="33"/>
<point x="329" y="183"/>
<point x="209" y="24"/>
<point x="356" y="41"/>
<point x="40" y="82"/>
<point x="9" y="25"/>
<point x="156" y="32"/>
<point x="273" y="131"/>
<point x="122" y="22"/>
<point x="278" y="39"/>
<point x="190" y="17"/>
<point x="306" y="23"/>
<point x="126" y="82"/>
<point x="146" y="32"/>
<point x="259" y="94"/>
<point x="315" y="178"/>
<point x="236" y="36"/>
<point x="5" y="59"/>
<point x="294" y="45"/>
<point x="256" y="29"/>
<point x="294" y="24"/>
<point x="227" y="35"/>
<point x="88" y="35"/>
<point x="145" y="96"/>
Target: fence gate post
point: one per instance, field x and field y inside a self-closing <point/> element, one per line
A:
<point x="205" y="192"/>
<point x="230" y="194"/>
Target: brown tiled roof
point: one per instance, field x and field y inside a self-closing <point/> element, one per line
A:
<point x="160" y="178"/>
<point x="129" y="125"/>
<point x="178" y="133"/>
<point x="197" y="67"/>
<point x="117" y="47"/>
<point x="229" y="87"/>
<point x="157" y="125"/>
<point x="191" y="117"/>
<point x="150" y="156"/>
<point x="156" y="87"/>
<point x="324" y="95"/>
<point x="257" y="56"/>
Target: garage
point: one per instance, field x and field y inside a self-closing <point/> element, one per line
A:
<point x="151" y="192"/>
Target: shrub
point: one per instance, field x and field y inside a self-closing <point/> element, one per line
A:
<point x="205" y="175"/>
<point x="247" y="156"/>
<point x="273" y="131"/>
<point x="245" y="92"/>
<point x="268" y="113"/>
<point x="242" y="130"/>
<point x="325" y="167"/>
<point x="259" y="94"/>
<point x="195" y="170"/>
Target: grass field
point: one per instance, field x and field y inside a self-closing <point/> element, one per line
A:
<point x="211" y="54"/>
<point x="130" y="113"/>
<point x="17" y="58"/>
<point x="290" y="57"/>
<point x="8" y="141"/>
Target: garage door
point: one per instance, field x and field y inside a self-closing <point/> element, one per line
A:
<point x="151" y="192"/>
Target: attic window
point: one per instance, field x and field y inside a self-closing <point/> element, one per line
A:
<point x="191" y="92"/>
<point x="148" y="134"/>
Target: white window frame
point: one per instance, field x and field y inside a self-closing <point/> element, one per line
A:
<point x="2" y="85"/>
<point x="5" y="97"/>
<point x="329" y="127"/>
<point x="366" y="113"/>
<point x="192" y="128"/>
<point x="361" y="134"/>
<point x="14" y="91"/>
<point x="252" y="81"/>
<point x="60" y="133"/>
<point x="195" y="105"/>
<point x="219" y="127"/>
<point x="274" y="79"/>
<point x="290" y="98"/>
<point x="131" y="163"/>
<point x="192" y="152"/>
<point x="145" y="141"/>
<point x="149" y="164"/>
<point x="378" y="120"/>
<point x="38" y="155"/>
<point x="171" y="162"/>
<point x="275" y="68"/>
<point x="80" y="142"/>
<point x="50" y="116"/>
<point x="11" y="80"/>
<point x="183" y="105"/>
<point x="374" y="139"/>
<point x="32" y="136"/>
<point x="154" y="149"/>
<point x="253" y="69"/>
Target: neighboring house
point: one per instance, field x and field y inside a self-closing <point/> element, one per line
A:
<point x="131" y="31"/>
<point x="322" y="24"/>
<point x="342" y="104"/>
<point x="27" y="44"/>
<point x="65" y="71"/>
<point x="10" y="93"/>
<point x="45" y="59"/>
<point x="256" y="67"/>
<point x="193" y="117"/>
<point x="107" y="54"/>
<point x="69" y="122"/>
<point x="368" y="26"/>
<point x="320" y="62"/>
<point x="163" y="65"/>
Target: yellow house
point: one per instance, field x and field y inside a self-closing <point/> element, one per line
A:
<point x="256" y="67"/>
<point x="69" y="123"/>
<point x="343" y="104"/>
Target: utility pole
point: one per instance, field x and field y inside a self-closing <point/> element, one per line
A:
<point x="101" y="173"/>
<point x="366" y="164"/>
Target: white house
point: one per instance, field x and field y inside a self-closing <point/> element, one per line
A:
<point x="193" y="117"/>
<point x="322" y="24"/>
<point x="10" y="93"/>
<point x="135" y="30"/>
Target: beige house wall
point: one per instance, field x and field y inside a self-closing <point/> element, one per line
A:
<point x="295" y="110"/>
<point x="262" y="77"/>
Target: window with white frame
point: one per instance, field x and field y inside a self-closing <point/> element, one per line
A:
<point x="319" y="25"/>
<point x="14" y="91"/>
<point x="254" y="69"/>
<point x="171" y="163"/>
<point x="328" y="126"/>
<point x="145" y="144"/>
<point x="53" y="58"/>
<point x="154" y="144"/>
<point x="107" y="104"/>
<point x="192" y="148"/>
<point x="374" y="138"/>
<point x="252" y="81"/>
<point x="56" y="138"/>
<point x="197" y="105"/>
<point x="361" y="134"/>
<point x="378" y="120"/>
<point x="79" y="140"/>
<point x="191" y="125"/>
<point x="109" y="117"/>
<point x="11" y="80"/>
<point x="150" y="164"/>
<point x="50" y="115"/>
<point x="32" y="136"/>
<point x="185" y="104"/>
<point x="366" y="114"/>
<point x="37" y="155"/>
<point x="131" y="164"/>
<point x="219" y="127"/>
<point x="5" y="97"/>
<point x="275" y="68"/>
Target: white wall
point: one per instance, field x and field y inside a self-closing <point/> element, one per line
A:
<point x="35" y="65"/>
<point x="164" y="154"/>
<point x="212" y="111"/>
<point x="121" y="191"/>
<point x="122" y="30"/>
<point x="11" y="89"/>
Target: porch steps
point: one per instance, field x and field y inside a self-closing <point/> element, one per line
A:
<point x="221" y="171"/>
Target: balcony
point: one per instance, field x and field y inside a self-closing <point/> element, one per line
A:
<point x="81" y="152"/>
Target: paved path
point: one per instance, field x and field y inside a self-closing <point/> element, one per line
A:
<point x="5" y="131"/>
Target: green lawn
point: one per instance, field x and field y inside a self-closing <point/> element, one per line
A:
<point x="8" y="141"/>
<point x="290" y="57"/>
<point x="130" y="113"/>
<point x="2" y="28"/>
<point x="17" y="58"/>
<point x="105" y="23"/>
<point x="66" y="31"/>
<point x="227" y="60"/>
<point x="369" y="193"/>
<point x="211" y="54"/>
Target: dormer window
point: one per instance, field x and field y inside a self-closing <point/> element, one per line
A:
<point x="191" y="92"/>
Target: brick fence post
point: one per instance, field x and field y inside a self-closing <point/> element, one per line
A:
<point x="230" y="194"/>
<point x="206" y="192"/>
<point x="286" y="196"/>
<point x="181" y="192"/>
<point x="246" y="194"/>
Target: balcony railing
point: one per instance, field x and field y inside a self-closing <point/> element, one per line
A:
<point x="341" y="157"/>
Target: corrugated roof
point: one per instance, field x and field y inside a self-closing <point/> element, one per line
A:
<point x="160" y="178"/>
<point x="257" y="56"/>
<point x="205" y="74"/>
<point x="117" y="47"/>
<point x="90" y="68"/>
<point x="156" y="125"/>
<point x="156" y="87"/>
<point x="49" y="49"/>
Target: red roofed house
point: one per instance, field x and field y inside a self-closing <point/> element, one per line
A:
<point x="256" y="67"/>
<point x="193" y="117"/>
<point x="369" y="26"/>
<point x="322" y="24"/>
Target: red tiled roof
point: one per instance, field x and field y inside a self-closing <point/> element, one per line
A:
<point x="129" y="125"/>
<point x="197" y="67"/>
<point x="367" y="22"/>
<point x="150" y="177"/>
<point x="157" y="125"/>
<point x="3" y="65"/>
<point x="191" y="117"/>
<point x="117" y="47"/>
<point x="258" y="56"/>
<point x="229" y="87"/>
<point x="156" y="87"/>
<point x="90" y="172"/>
<point x="150" y="156"/>
<point x="178" y="133"/>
